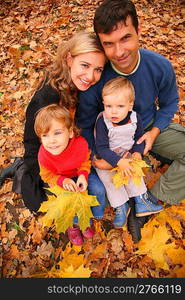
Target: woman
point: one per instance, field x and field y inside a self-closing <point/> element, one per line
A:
<point x="78" y="65"/>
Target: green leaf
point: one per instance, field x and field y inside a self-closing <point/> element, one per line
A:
<point x="17" y="227"/>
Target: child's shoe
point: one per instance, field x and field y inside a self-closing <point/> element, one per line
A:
<point x="75" y="236"/>
<point x="144" y="207"/>
<point x="89" y="232"/>
<point x="121" y="215"/>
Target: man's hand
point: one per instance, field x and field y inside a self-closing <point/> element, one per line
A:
<point x="149" y="138"/>
<point x="81" y="183"/>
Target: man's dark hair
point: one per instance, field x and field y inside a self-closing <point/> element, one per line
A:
<point x="111" y="12"/>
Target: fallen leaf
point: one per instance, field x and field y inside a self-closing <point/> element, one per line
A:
<point x="67" y="204"/>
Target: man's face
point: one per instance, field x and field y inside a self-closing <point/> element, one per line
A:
<point x="121" y="46"/>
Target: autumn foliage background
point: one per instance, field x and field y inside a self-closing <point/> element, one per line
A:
<point x="30" y="33"/>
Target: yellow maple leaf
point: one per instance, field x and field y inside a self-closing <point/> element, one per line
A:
<point x="155" y="235"/>
<point x="81" y="272"/>
<point x="100" y="251"/>
<point x="71" y="256"/>
<point x="45" y="273"/>
<point x="137" y="165"/>
<point x="61" y="208"/>
<point x="148" y="230"/>
<point x="178" y="211"/>
<point x="129" y="273"/>
<point x="118" y="179"/>
<point x="68" y="272"/>
<point x="166" y="216"/>
<point x="155" y="246"/>
<point x="180" y="273"/>
<point x="176" y="255"/>
<point x="71" y="265"/>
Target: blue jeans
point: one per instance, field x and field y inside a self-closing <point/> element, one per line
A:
<point x="96" y="187"/>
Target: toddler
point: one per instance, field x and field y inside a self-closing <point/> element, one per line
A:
<point x="117" y="130"/>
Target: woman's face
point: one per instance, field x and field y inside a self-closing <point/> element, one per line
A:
<point x="86" y="69"/>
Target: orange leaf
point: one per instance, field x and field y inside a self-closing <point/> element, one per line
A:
<point x="13" y="252"/>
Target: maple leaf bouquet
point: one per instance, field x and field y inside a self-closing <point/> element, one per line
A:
<point x="63" y="205"/>
<point x="137" y="166"/>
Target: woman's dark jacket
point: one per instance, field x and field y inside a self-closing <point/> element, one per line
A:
<point x="31" y="185"/>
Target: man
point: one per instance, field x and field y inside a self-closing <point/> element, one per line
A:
<point x="116" y="25"/>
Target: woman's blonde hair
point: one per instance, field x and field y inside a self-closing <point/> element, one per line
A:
<point x="46" y="114"/>
<point x="116" y="85"/>
<point x="58" y="75"/>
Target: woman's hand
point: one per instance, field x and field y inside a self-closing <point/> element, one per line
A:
<point x="69" y="185"/>
<point x="101" y="164"/>
<point x="126" y="168"/>
<point x="81" y="183"/>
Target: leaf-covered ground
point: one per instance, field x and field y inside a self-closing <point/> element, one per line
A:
<point x="30" y="33"/>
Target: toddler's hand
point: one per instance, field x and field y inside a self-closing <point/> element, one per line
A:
<point x="126" y="168"/>
<point x="136" y="155"/>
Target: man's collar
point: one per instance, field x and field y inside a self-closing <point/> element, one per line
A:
<point x="127" y="74"/>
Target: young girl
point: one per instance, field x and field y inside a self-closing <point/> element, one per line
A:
<point x="78" y="65"/>
<point x="117" y="130"/>
<point x="63" y="156"/>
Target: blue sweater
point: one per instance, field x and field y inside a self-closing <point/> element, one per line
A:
<point x="154" y="82"/>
